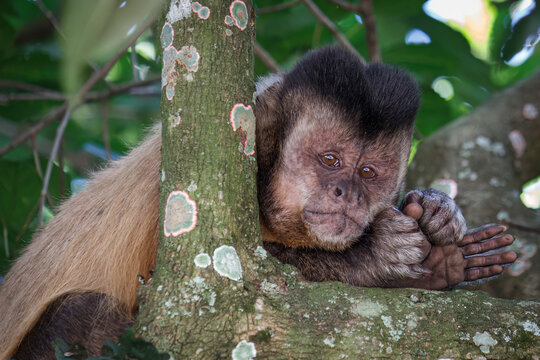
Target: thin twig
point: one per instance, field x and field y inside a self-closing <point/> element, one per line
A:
<point x="36" y="157"/>
<point x="58" y="112"/>
<point x="27" y="221"/>
<point x="266" y="58"/>
<point x="371" y="31"/>
<point x="24" y="86"/>
<point x="5" y="236"/>
<point x="134" y="64"/>
<point x="105" y="129"/>
<point x="50" y="16"/>
<point x="279" y="7"/>
<point x="365" y="10"/>
<point x="54" y="152"/>
<point x="121" y="89"/>
<point x="61" y="177"/>
<point x="332" y="27"/>
<point x="345" y="5"/>
<point x="53" y="115"/>
<point x="5" y="98"/>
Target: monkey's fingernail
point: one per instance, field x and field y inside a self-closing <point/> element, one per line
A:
<point x="426" y="271"/>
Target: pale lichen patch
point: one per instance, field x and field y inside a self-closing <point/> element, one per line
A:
<point x="244" y="350"/>
<point x="260" y="252"/>
<point x="518" y="142"/>
<point x="239" y="14"/>
<point x="202" y="12"/>
<point x="227" y="263"/>
<point x="178" y="10"/>
<point x="368" y="309"/>
<point x="180" y="214"/>
<point x="202" y="260"/>
<point x="484" y="341"/>
<point x="167" y="35"/>
<point x="531" y="327"/>
<point x="187" y="56"/>
<point x="329" y="342"/>
<point x="242" y="117"/>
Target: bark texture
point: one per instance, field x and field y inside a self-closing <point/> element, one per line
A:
<point x="216" y="292"/>
<point x="488" y="155"/>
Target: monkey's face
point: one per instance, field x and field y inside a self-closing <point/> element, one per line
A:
<point x="332" y="183"/>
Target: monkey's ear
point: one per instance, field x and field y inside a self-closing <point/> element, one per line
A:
<point x="267" y="82"/>
<point x="268" y="98"/>
<point x="268" y="112"/>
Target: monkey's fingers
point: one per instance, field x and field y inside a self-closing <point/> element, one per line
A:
<point x="413" y="196"/>
<point x="413" y="210"/>
<point x="482" y="233"/>
<point x="481" y="273"/>
<point x="496" y="242"/>
<point x="488" y="260"/>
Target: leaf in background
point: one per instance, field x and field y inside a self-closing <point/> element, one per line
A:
<point x="525" y="32"/>
<point x="98" y="29"/>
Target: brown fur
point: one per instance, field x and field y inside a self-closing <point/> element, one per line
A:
<point x="102" y="238"/>
<point x="89" y="319"/>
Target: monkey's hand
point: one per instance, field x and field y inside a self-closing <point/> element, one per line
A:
<point x="398" y="245"/>
<point x="465" y="261"/>
<point x="441" y="219"/>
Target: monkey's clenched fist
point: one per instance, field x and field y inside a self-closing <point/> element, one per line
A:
<point x="441" y="221"/>
<point x="398" y="245"/>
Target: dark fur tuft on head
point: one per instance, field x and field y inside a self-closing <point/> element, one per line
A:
<point x="375" y="98"/>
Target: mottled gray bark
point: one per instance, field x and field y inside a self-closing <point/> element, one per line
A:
<point x="487" y="156"/>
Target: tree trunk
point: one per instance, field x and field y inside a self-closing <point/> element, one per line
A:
<point x="216" y="293"/>
<point x="485" y="158"/>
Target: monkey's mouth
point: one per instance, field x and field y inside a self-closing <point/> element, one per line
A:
<point x="333" y="229"/>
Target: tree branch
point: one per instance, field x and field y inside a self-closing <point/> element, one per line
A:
<point x="92" y="97"/>
<point x="105" y="129"/>
<point x="53" y="115"/>
<point x="365" y="9"/>
<point x="332" y="27"/>
<point x="50" y="16"/>
<point x="266" y="58"/>
<point x="371" y="30"/>
<point x="54" y="152"/>
<point x="279" y="7"/>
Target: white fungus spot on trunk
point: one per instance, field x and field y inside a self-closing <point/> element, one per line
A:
<point x="484" y="341"/>
<point x="227" y="263"/>
<point x="202" y="260"/>
<point x="179" y="9"/>
<point x="244" y="351"/>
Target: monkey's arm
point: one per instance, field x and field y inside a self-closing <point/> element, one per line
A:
<point x="392" y="248"/>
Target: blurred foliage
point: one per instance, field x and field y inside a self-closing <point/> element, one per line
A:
<point x="33" y="52"/>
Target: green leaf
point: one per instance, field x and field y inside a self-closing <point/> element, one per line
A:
<point x="98" y="29"/>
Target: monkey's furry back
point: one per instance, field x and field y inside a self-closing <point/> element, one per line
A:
<point x="99" y="241"/>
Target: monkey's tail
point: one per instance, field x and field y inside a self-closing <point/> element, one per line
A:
<point x="99" y="241"/>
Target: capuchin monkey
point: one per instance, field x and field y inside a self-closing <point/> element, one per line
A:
<point x="333" y="139"/>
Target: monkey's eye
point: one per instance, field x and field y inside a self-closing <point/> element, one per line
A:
<point x="367" y="172"/>
<point x="330" y="160"/>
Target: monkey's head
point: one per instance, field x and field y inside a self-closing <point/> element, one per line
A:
<point x="333" y="139"/>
